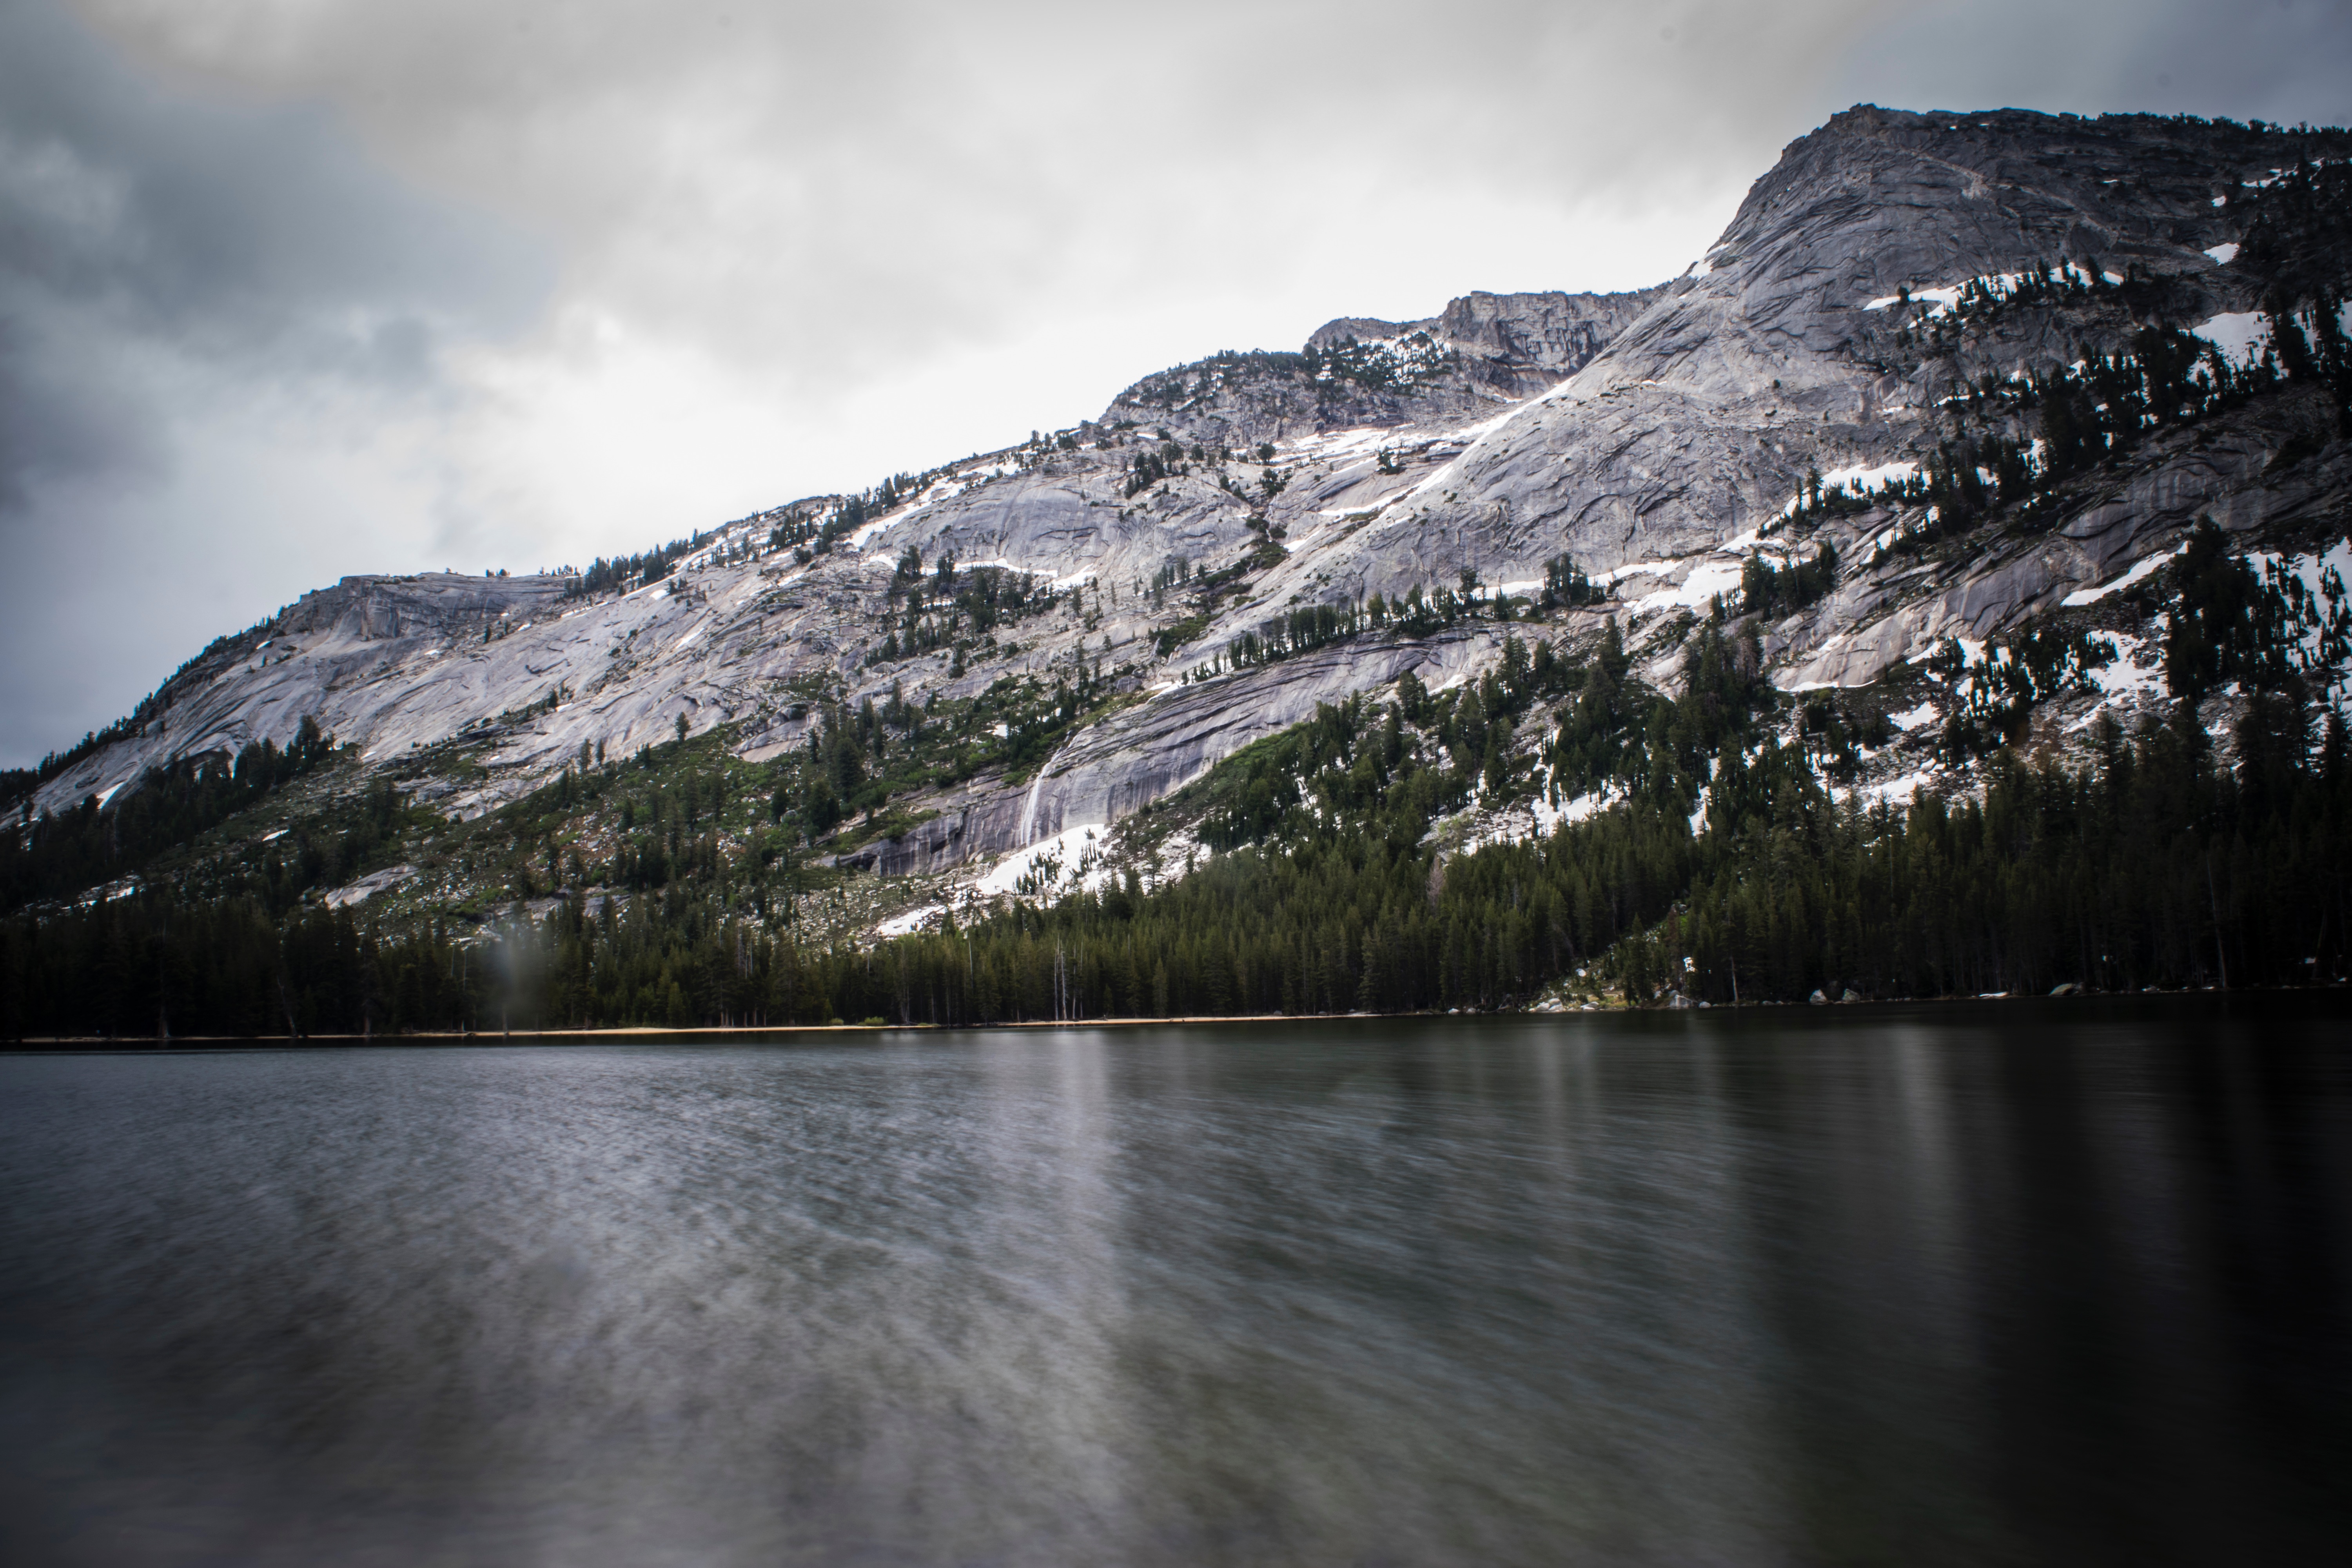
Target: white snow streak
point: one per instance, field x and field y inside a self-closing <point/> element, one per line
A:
<point x="1707" y="580"/>
<point x="2139" y="572"/>
<point x="1941" y="298"/>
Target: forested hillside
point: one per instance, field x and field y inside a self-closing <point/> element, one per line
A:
<point x="1725" y="868"/>
<point x="1981" y="628"/>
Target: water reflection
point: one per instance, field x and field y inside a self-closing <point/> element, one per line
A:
<point x="2034" y="1284"/>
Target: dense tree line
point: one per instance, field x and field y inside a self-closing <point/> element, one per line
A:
<point x="2153" y="867"/>
<point x="1775" y="591"/>
<point x="623" y="572"/>
<point x="1300" y="630"/>
<point x="57" y="854"/>
<point x="1566" y="585"/>
<point x="1413" y="613"/>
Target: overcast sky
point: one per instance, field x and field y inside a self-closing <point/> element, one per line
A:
<point x="293" y="288"/>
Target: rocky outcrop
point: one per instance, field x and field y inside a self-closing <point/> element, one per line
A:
<point x="1515" y="345"/>
<point x="384" y="609"/>
<point x="1480" y="353"/>
<point x="1524" y="344"/>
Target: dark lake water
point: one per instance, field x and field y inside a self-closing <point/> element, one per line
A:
<point x="2020" y="1282"/>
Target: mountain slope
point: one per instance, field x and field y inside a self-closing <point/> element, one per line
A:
<point x="1858" y="382"/>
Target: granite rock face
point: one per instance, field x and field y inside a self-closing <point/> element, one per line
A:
<point x="1481" y="353"/>
<point x="1703" y="415"/>
<point x="1656" y="436"/>
<point x="1515" y="345"/>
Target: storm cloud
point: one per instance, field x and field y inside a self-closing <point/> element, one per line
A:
<point x="257" y="240"/>
<point x="290" y="290"/>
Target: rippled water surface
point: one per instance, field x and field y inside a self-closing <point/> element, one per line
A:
<point x="2022" y="1282"/>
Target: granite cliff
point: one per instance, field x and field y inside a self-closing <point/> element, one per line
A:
<point x="1862" y="369"/>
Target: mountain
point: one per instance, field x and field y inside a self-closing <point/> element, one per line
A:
<point x="1920" y="440"/>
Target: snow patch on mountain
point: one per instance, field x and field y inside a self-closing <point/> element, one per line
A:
<point x="2140" y="572"/>
<point x="2241" y="336"/>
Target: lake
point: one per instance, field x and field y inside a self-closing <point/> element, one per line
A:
<point x="2054" y="1281"/>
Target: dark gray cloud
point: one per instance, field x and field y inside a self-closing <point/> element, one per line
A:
<point x="290" y="290"/>
<point x="2287" y="61"/>
<point x="165" y="250"/>
<point x="255" y="238"/>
